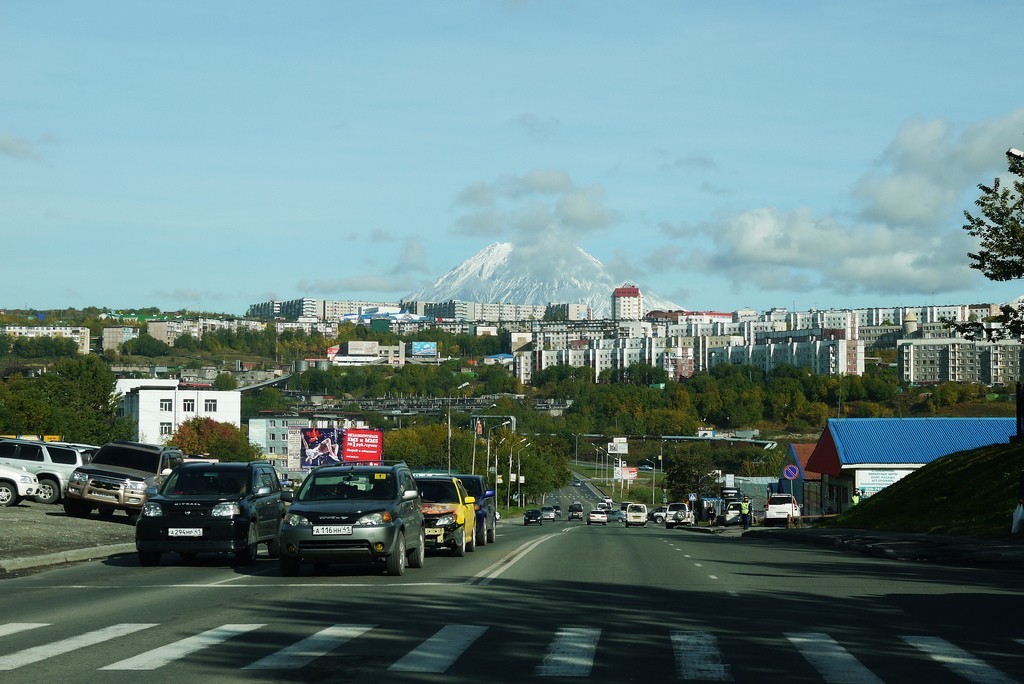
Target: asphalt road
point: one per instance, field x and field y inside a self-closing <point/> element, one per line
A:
<point x="551" y="603"/>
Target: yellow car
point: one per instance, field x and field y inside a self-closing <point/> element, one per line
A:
<point x="449" y="516"/>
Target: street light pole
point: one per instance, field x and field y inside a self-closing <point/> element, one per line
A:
<point x="519" y="474"/>
<point x="465" y="384"/>
<point x="488" y="459"/>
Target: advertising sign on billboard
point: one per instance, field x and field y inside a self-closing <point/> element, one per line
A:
<point x="320" y="446"/>
<point x="361" y="445"/>
<point x="424" y="348"/>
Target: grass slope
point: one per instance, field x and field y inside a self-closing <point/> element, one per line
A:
<point x="969" y="493"/>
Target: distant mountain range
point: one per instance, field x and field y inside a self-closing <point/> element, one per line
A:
<point x="506" y="274"/>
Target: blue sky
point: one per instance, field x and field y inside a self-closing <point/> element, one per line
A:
<point x="209" y="155"/>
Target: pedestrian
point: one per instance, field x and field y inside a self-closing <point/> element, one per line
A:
<point x="856" y="497"/>
<point x="745" y="512"/>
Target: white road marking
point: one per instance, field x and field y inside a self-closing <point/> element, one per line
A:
<point x="698" y="657"/>
<point x="303" y="652"/>
<point x="833" y="662"/>
<point x="158" y="657"/>
<point x="571" y="654"/>
<point x="38" y="653"/>
<point x="958" y="660"/>
<point x="15" y="627"/>
<point x="496" y="569"/>
<point x="437" y="653"/>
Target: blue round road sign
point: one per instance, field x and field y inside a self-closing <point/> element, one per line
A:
<point x="790" y="472"/>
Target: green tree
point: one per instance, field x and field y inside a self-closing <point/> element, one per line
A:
<point x="225" y="382"/>
<point x="82" y="407"/>
<point x="999" y="228"/>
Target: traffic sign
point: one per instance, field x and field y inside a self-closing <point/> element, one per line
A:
<point x="693" y="497"/>
<point x="790" y="472"/>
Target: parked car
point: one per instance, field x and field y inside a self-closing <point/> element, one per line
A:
<point x="51" y="462"/>
<point x="449" y="516"/>
<point x="731" y="514"/>
<point x="547" y="513"/>
<point x="118" y="477"/>
<point x="636" y="514"/>
<point x="597" y="516"/>
<point x="485" y="504"/>
<point x="531" y="516"/>
<point x="657" y="515"/>
<point x="781" y="508"/>
<point x="576" y="511"/>
<point x="212" y="508"/>
<point x="16" y="484"/>
<point x="353" y="514"/>
<point x="678" y="513"/>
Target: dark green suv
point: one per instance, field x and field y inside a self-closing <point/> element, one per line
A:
<point x="353" y="514"/>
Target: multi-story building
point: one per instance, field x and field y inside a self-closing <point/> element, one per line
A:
<point x="157" y="410"/>
<point x="956" y="359"/>
<point x="114" y="337"/>
<point x="270" y="433"/>
<point x="627" y="303"/>
<point x="78" y="334"/>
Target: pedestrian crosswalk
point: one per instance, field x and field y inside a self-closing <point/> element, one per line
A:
<point x="571" y="652"/>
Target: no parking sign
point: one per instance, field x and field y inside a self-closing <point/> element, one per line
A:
<point x="790" y="472"/>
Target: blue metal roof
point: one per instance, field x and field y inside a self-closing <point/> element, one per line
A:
<point x="914" y="440"/>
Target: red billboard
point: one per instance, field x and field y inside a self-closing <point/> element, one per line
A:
<point x="362" y="445"/>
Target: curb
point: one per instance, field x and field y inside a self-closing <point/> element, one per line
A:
<point x="70" y="556"/>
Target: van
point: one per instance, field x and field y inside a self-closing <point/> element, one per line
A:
<point x="576" y="510"/>
<point x="636" y="514"/>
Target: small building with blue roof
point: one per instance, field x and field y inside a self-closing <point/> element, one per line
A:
<point x="868" y="454"/>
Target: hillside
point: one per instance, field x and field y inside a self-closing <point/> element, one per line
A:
<point x="970" y="493"/>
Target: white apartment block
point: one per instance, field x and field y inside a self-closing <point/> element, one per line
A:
<point x="924" y="361"/>
<point x="328" y="329"/>
<point x="157" y="410"/>
<point x="78" y="334"/>
<point x="821" y="356"/>
<point x="627" y="303"/>
<point x="168" y="331"/>
<point x="270" y="434"/>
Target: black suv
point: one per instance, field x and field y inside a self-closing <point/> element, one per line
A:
<point x="354" y="513"/>
<point x="212" y="507"/>
<point x="486" y="520"/>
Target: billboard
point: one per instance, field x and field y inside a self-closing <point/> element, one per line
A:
<point x="363" y="348"/>
<point x="424" y="348"/>
<point x="362" y="445"/>
<point x="320" y="446"/>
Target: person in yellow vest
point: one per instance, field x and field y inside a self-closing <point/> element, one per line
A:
<point x="856" y="497"/>
<point x="745" y="512"/>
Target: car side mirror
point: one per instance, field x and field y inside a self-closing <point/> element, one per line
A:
<point x="151" y="490"/>
<point x="410" y="494"/>
<point x="165" y="471"/>
<point x="287" y="496"/>
<point x="488" y="493"/>
<point x="263" y="491"/>
<point x="470" y="499"/>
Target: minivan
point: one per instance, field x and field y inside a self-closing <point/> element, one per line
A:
<point x="636" y="514"/>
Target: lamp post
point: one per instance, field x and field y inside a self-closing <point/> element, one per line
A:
<point x="508" y="490"/>
<point x="519" y="473"/>
<point x="474" y="425"/>
<point x="465" y="384"/>
<point x="488" y="459"/>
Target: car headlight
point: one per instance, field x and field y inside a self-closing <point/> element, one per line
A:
<point x="228" y="509"/>
<point x="135" y="487"/>
<point x="27" y="479"/>
<point x="79" y="476"/>
<point x="152" y="510"/>
<point x="296" y="520"/>
<point x="446" y="519"/>
<point x="371" y="519"/>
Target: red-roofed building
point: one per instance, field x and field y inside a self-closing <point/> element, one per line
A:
<point x="627" y="303"/>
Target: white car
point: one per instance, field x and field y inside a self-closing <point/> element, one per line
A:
<point x="547" y="513"/>
<point x="636" y="514"/>
<point x="781" y="508"/>
<point x="679" y="513"/>
<point x="16" y="484"/>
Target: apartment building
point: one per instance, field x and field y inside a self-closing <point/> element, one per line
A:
<point x="935" y="360"/>
<point x="78" y="334"/>
<point x="157" y="410"/>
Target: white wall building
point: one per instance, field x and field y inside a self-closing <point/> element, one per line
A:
<point x="157" y="410"/>
<point x="78" y="334"/>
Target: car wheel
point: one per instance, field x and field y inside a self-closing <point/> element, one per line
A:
<point x="289" y="565"/>
<point x="274" y="548"/>
<point x="76" y="509"/>
<point x="418" y="554"/>
<point x="149" y="558"/>
<point x="490" y="536"/>
<point x="49" y="492"/>
<point x="481" y="534"/>
<point x="460" y="546"/>
<point x="247" y="555"/>
<point x="133" y="516"/>
<point x="106" y="511"/>
<point x="396" y="561"/>
<point x="659" y="519"/>
<point x="8" y="494"/>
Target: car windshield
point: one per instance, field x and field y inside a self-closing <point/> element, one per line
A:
<point x="125" y="457"/>
<point x="372" y="485"/>
<point x="206" y="481"/>
<point x="438" y="491"/>
<point x="473" y="486"/>
<point x="778" y="500"/>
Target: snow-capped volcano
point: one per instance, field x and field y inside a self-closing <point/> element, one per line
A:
<point x="506" y="274"/>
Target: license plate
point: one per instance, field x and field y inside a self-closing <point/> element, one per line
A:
<point x="184" y="532"/>
<point x="103" y="495"/>
<point x="433" y="532"/>
<point x="332" y="529"/>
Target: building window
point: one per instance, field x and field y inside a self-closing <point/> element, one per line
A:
<point x="189" y="405"/>
<point x="210" y="405"/>
<point x="271" y="449"/>
<point x="165" y="429"/>
<point x="165" y="404"/>
<point x="273" y="423"/>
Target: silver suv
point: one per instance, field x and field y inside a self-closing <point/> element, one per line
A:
<point x="51" y="462"/>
